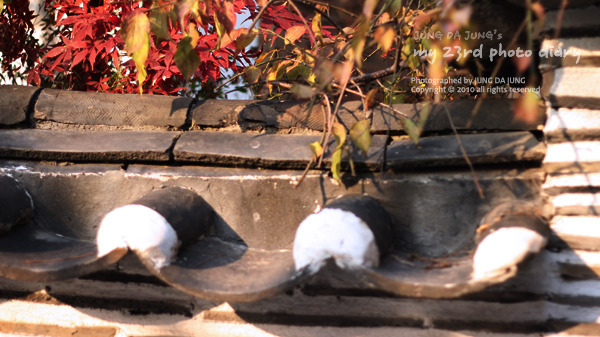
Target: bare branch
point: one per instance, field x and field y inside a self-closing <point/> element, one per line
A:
<point x="375" y="75"/>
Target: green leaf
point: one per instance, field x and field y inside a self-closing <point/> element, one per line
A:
<point x="408" y="48"/>
<point x="358" y="40"/>
<point x="413" y="62"/>
<point x="413" y="129"/>
<point x="408" y="53"/>
<point x="159" y="23"/>
<point x="316" y="149"/>
<point x="361" y="135"/>
<point x="186" y="58"/>
<point x="302" y="92"/>
<point x="299" y="71"/>
<point x="242" y="42"/>
<point x="426" y="44"/>
<point x="173" y="19"/>
<point x="252" y="74"/>
<point x="395" y="6"/>
<point x="323" y="73"/>
<point x="336" y="164"/>
<point x="398" y="98"/>
<point x="424" y="114"/>
<point x="281" y="69"/>
<point x="339" y="133"/>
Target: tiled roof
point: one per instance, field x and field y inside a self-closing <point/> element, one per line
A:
<point x="78" y="129"/>
<point x="79" y="156"/>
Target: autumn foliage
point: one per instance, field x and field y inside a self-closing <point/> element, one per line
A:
<point x="150" y="47"/>
<point x="17" y="43"/>
<point x="300" y="49"/>
<point x="163" y="46"/>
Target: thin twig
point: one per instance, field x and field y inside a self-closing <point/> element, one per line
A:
<point x="326" y="113"/>
<point x="494" y="73"/>
<point x="530" y="36"/>
<point x="280" y="83"/>
<point x="340" y="98"/>
<point x="362" y="96"/>
<point x="312" y="160"/>
<point x="375" y="75"/>
<point x="464" y="154"/>
<point x="328" y="127"/>
<point x="394" y="110"/>
<point x="326" y="131"/>
<point x="397" y="61"/>
<point x="559" y="18"/>
<point x="398" y="65"/>
<point x="311" y="34"/>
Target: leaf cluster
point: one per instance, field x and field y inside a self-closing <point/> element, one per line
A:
<point x="147" y="47"/>
<point x="18" y="46"/>
<point x="369" y="57"/>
